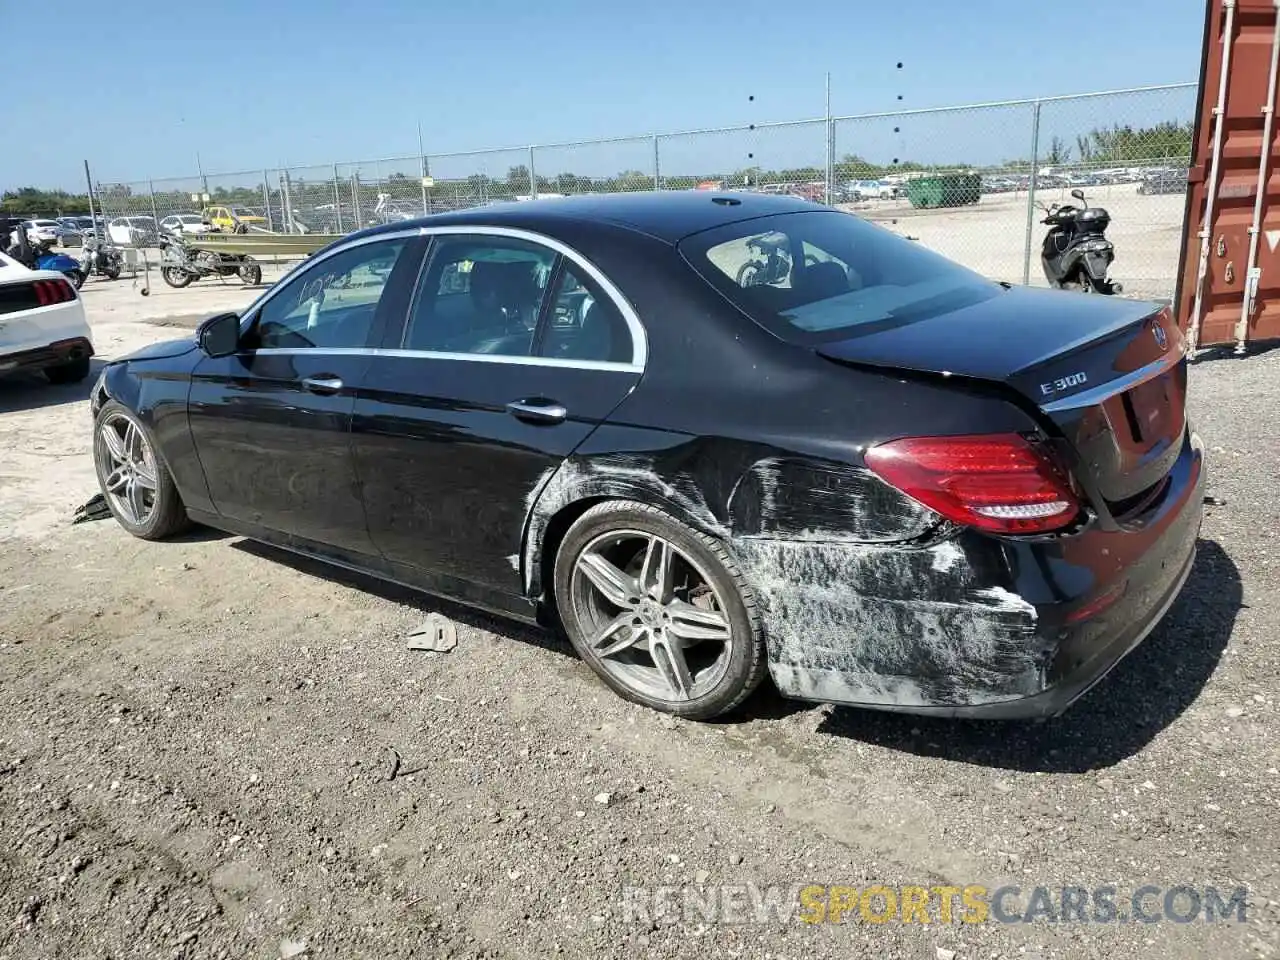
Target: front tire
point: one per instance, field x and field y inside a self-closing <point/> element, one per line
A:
<point x="76" y="277"/>
<point x="134" y="480"/>
<point x="659" y="611"/>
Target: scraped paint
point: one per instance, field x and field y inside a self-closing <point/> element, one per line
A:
<point x="858" y="606"/>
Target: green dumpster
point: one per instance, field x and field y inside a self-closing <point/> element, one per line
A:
<point x="945" y="190"/>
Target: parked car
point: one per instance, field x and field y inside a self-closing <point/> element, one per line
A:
<point x="42" y="324"/>
<point x="998" y="185"/>
<point x="1165" y="181"/>
<point x="874" y="190"/>
<point x="856" y="480"/>
<point x="70" y="232"/>
<point x="133" y="231"/>
<point x="42" y="231"/>
<point x="813" y="192"/>
<point x="232" y="219"/>
<point x="191" y="224"/>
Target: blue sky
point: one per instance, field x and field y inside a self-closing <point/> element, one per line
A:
<point x="249" y="84"/>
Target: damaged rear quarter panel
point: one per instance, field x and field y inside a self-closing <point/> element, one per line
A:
<point x="866" y="596"/>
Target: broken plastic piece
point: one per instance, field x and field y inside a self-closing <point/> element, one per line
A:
<point x="94" y="509"/>
<point x="437" y="634"/>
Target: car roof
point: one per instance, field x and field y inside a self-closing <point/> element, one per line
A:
<point x="668" y="215"/>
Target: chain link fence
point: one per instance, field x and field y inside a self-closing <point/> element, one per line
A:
<point x="969" y="181"/>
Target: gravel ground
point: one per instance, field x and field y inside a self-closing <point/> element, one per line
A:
<point x="211" y="749"/>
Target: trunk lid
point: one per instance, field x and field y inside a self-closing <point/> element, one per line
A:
<point x="1109" y="373"/>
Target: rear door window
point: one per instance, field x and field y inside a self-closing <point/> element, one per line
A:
<point x="480" y="294"/>
<point x="584" y="324"/>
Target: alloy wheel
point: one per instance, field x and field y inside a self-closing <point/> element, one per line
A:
<point x="652" y="617"/>
<point x="128" y="468"/>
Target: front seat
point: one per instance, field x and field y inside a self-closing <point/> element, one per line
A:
<point x="502" y="295"/>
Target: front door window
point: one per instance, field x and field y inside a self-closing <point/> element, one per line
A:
<point x="330" y="305"/>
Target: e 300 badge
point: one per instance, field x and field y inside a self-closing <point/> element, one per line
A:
<point x="1065" y="383"/>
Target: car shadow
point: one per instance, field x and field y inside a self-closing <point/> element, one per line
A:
<point x="1145" y="693"/>
<point x="425" y="603"/>
<point x="31" y="391"/>
<point x="199" y="534"/>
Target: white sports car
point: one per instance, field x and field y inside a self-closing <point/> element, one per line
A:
<point x="42" y="324"/>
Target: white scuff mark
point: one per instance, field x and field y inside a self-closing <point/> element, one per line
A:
<point x="769" y="471"/>
<point x="514" y="560"/>
<point x="882" y="626"/>
<point x="869" y="689"/>
<point x="846" y="621"/>
<point x="620" y="476"/>
<point x="946" y="556"/>
<point x="1004" y="600"/>
<point x="814" y="499"/>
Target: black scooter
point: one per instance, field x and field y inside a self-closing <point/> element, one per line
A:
<point x="1077" y="253"/>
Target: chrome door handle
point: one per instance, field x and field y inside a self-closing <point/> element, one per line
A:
<point x="324" y="385"/>
<point x="547" y="411"/>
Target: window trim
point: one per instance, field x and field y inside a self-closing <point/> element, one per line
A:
<point x="639" y="337"/>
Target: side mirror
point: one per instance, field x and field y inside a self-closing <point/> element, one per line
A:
<point x="1078" y="194"/>
<point x="220" y="336"/>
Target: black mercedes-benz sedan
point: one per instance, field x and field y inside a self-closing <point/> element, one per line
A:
<point x="707" y="435"/>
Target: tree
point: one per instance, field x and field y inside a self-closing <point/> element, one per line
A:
<point x="567" y="183"/>
<point x="518" y="180"/>
<point x="33" y="200"/>
<point x="1059" y="152"/>
<point x="1165" y="140"/>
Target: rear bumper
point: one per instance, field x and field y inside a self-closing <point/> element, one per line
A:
<point x="984" y="628"/>
<point x="55" y="354"/>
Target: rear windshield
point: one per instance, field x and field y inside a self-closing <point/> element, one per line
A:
<point x="824" y="275"/>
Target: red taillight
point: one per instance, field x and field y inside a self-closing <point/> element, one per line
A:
<point x="49" y="292"/>
<point x="995" y="482"/>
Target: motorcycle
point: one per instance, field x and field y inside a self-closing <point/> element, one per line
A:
<point x="179" y="265"/>
<point x="101" y="257"/>
<point x="1077" y="254"/>
<point x="770" y="262"/>
<point x="40" y="256"/>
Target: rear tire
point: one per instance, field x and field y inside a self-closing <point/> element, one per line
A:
<point x="707" y="595"/>
<point x="73" y="371"/>
<point x="76" y="277"/>
<point x="176" y="277"/>
<point x="749" y="273"/>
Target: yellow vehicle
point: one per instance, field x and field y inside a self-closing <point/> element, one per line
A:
<point x="233" y="219"/>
